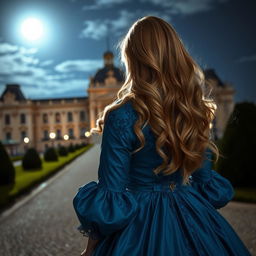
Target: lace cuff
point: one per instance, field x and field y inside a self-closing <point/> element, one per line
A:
<point x="90" y="232"/>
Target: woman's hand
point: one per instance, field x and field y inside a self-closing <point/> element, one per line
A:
<point x="90" y="247"/>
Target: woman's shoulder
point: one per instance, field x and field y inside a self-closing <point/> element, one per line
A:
<point x="123" y="113"/>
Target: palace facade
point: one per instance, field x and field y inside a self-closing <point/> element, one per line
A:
<point x="33" y="122"/>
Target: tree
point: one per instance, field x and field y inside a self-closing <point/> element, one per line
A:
<point x="71" y="148"/>
<point x="7" y="172"/>
<point x="31" y="160"/>
<point x="50" y="155"/>
<point x="238" y="146"/>
<point x="63" y="151"/>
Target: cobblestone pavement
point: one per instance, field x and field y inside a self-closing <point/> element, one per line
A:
<point x="46" y="224"/>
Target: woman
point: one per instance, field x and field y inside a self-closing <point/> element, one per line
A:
<point x="156" y="194"/>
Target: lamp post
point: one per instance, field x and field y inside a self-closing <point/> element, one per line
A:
<point x="26" y="141"/>
<point x="66" y="137"/>
<point x="87" y="135"/>
<point x="52" y="137"/>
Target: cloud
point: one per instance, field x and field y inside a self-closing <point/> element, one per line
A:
<point x="19" y="65"/>
<point x="78" y="65"/>
<point x="175" y="7"/>
<point x="6" y="48"/>
<point x="182" y="6"/>
<point x="46" y="63"/>
<point x="100" y="28"/>
<point x="103" y="4"/>
<point x="249" y="58"/>
<point x="95" y="29"/>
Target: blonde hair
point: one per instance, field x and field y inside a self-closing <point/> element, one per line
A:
<point x="169" y="91"/>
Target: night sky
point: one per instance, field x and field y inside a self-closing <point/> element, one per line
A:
<point x="219" y="34"/>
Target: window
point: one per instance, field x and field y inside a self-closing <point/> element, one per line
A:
<point x="22" y="118"/>
<point x="57" y="117"/>
<point x="71" y="133"/>
<point x="82" y="116"/>
<point x="70" y="117"/>
<point x="58" y="134"/>
<point x="7" y="119"/>
<point x="45" y="135"/>
<point x="45" y="118"/>
<point x="23" y="134"/>
<point x="82" y="132"/>
<point x="8" y="136"/>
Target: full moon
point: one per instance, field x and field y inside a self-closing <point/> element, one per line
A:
<point x="32" y="29"/>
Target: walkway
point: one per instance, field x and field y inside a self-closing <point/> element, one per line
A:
<point x="46" y="224"/>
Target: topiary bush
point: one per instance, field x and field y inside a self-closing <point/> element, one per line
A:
<point x="31" y="160"/>
<point x="71" y="148"/>
<point x="62" y="151"/>
<point x="50" y="155"/>
<point x="77" y="146"/>
<point x="238" y="146"/>
<point x="83" y="144"/>
<point x="7" y="172"/>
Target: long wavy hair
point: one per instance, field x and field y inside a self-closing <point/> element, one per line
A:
<point x="169" y="91"/>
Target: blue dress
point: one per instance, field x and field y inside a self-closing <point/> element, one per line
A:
<point x="134" y="212"/>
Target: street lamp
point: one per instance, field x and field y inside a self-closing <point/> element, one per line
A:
<point x="52" y="136"/>
<point x="87" y="135"/>
<point x="65" y="137"/>
<point x="26" y="140"/>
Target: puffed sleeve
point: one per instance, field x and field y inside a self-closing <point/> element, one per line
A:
<point x="212" y="185"/>
<point x="106" y="206"/>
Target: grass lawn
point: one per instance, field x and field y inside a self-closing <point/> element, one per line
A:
<point x="16" y="158"/>
<point x="245" y="195"/>
<point x="24" y="180"/>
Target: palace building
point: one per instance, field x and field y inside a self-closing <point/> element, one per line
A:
<point x="42" y="123"/>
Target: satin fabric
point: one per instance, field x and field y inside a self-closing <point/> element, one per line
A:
<point x="137" y="213"/>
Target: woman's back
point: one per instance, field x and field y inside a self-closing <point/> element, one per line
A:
<point x="131" y="211"/>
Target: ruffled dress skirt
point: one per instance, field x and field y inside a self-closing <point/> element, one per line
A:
<point x="159" y="220"/>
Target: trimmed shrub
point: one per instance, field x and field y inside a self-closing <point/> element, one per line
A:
<point x="71" y="148"/>
<point x="50" y="155"/>
<point x="84" y="144"/>
<point x="238" y="146"/>
<point x="31" y="160"/>
<point x="62" y="151"/>
<point x="7" y="172"/>
<point x="77" y="146"/>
